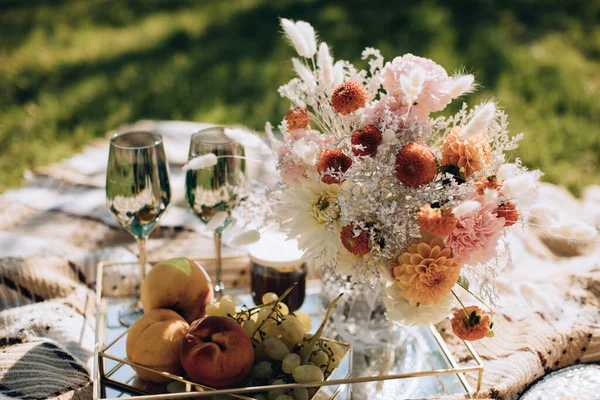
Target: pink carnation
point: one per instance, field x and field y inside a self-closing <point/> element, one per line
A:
<point x="475" y="236"/>
<point x="434" y="94"/>
<point x="375" y="114"/>
<point x="291" y="168"/>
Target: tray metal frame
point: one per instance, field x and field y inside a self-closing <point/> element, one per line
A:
<point x="102" y="377"/>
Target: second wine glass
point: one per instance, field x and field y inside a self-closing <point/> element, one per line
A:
<point x="217" y="188"/>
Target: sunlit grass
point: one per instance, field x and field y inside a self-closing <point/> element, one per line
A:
<point x="72" y="71"/>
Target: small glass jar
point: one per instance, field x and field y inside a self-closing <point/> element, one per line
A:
<point x="276" y="264"/>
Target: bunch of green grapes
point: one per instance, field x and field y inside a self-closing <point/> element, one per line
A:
<point x="279" y="339"/>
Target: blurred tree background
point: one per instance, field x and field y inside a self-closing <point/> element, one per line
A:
<point x="70" y="71"/>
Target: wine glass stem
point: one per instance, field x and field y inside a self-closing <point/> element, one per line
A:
<point x="219" y="284"/>
<point x="142" y="244"/>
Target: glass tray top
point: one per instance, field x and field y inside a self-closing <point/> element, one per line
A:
<point x="417" y="350"/>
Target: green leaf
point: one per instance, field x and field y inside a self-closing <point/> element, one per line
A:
<point x="463" y="282"/>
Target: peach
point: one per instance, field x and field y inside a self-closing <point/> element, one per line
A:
<point x="179" y="284"/>
<point x="154" y="341"/>
<point x="217" y="352"/>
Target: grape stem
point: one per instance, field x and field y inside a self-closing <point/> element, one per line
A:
<point x="274" y="304"/>
<point x="307" y="351"/>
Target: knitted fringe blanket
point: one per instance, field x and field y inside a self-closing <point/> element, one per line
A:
<point x="548" y="315"/>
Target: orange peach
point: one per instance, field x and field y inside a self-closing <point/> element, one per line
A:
<point x="154" y="341"/>
<point x="217" y="352"/>
<point x="179" y="284"/>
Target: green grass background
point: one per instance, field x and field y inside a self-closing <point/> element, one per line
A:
<point x="71" y="71"/>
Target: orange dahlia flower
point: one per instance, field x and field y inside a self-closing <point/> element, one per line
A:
<point x="426" y="272"/>
<point x="469" y="154"/>
<point x="471" y="323"/>
<point x="438" y="221"/>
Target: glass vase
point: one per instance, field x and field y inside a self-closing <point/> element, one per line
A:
<point x="359" y="318"/>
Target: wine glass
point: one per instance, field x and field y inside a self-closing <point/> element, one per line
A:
<point x="218" y="187"/>
<point x="137" y="192"/>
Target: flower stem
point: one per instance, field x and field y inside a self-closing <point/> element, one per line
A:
<point x="477" y="298"/>
<point x="461" y="303"/>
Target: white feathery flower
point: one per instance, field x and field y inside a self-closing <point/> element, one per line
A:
<point x="325" y="64"/>
<point x="465" y="208"/>
<point x="246" y="237"/>
<point x="574" y="230"/>
<point x="480" y="121"/>
<point x="490" y="195"/>
<point x="310" y="210"/>
<point x="400" y="310"/>
<point x="338" y="73"/>
<point x="303" y="72"/>
<point x="200" y="162"/>
<point x="507" y="170"/>
<point x="518" y="185"/>
<point x="217" y="220"/>
<point x="461" y="85"/>
<point x="296" y="37"/>
<point x="307" y="152"/>
<point x="247" y="139"/>
<point x="412" y="84"/>
<point x="308" y="34"/>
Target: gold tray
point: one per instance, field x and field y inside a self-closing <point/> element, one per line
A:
<point x="109" y="363"/>
<point x="112" y="352"/>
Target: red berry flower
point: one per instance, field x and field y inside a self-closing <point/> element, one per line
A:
<point x="357" y="245"/>
<point x="333" y="160"/>
<point x="415" y="165"/>
<point x="349" y="97"/>
<point x="472" y="323"/>
<point x="369" y="138"/>
<point x="490" y="182"/>
<point x="509" y="212"/>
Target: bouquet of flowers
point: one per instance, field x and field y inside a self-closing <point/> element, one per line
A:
<point x="375" y="188"/>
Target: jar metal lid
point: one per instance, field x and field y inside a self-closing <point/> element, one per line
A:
<point x="275" y="250"/>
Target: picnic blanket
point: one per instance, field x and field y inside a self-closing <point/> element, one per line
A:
<point x="55" y="230"/>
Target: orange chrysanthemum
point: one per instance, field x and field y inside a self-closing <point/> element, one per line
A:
<point x="438" y="221"/>
<point x="357" y="245"/>
<point x="369" y="138"/>
<point x="332" y="160"/>
<point x="490" y="182"/>
<point x="415" y="165"/>
<point x="471" y="323"/>
<point x="426" y="272"/>
<point x="468" y="154"/>
<point x="509" y="212"/>
<point x="298" y="118"/>
<point x="349" y="97"/>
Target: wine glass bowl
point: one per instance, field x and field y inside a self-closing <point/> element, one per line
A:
<point x="137" y="190"/>
<point x="217" y="187"/>
<point x="137" y="181"/>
